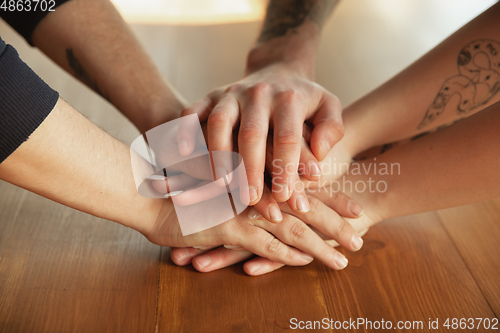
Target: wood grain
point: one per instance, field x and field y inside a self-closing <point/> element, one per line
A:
<point x="230" y="301"/>
<point x="408" y="270"/>
<point x="475" y="231"/>
<point x="64" y="271"/>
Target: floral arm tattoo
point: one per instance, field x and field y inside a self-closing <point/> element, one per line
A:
<point x="475" y="85"/>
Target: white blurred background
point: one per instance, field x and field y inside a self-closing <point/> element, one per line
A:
<point x="191" y="12"/>
<point x="201" y="44"/>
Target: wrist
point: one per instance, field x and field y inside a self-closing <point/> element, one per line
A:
<point x="360" y="130"/>
<point x="375" y="193"/>
<point x="144" y="214"/>
<point x="295" y="50"/>
<point x="353" y="141"/>
<point x="161" y="110"/>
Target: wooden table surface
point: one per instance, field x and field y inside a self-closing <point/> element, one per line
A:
<point x="65" y="271"/>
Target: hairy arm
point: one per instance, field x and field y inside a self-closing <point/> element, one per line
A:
<point x="277" y="94"/>
<point x="284" y="16"/>
<point x="90" y="40"/>
<point x="290" y="34"/>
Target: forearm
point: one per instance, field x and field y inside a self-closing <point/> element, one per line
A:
<point x="71" y="161"/>
<point x="89" y="39"/>
<point x="455" y="166"/>
<point x="290" y="34"/>
<point x="437" y="89"/>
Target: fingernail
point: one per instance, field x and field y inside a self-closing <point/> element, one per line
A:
<point x="356" y="242"/>
<point x="282" y="189"/>
<point x="232" y="247"/>
<point x="202" y="248"/>
<point x="302" y="204"/>
<point x="221" y="173"/>
<point x="275" y="213"/>
<point x="203" y="261"/>
<point x="252" y="191"/>
<point x="340" y="261"/>
<point x="183" y="147"/>
<point x="314" y="169"/>
<point x="307" y="258"/>
<point x="325" y="146"/>
<point x="253" y="214"/>
<point x="181" y="255"/>
<point x="172" y="194"/>
<point x="157" y="177"/>
<point x="253" y="267"/>
<point x="355" y="208"/>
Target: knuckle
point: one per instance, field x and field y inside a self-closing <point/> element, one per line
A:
<point x="297" y="232"/>
<point x="218" y="118"/>
<point x="187" y="111"/>
<point x="251" y="132"/>
<point x="254" y="170"/>
<point x="290" y="96"/>
<point x="338" y="127"/>
<point x="314" y="204"/>
<point x="288" y="137"/>
<point x="234" y="88"/>
<point x="258" y="90"/>
<point x="289" y="255"/>
<point x="343" y="229"/>
<point x="215" y="95"/>
<point x="273" y="247"/>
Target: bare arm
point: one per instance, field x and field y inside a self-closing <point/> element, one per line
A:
<point x="455" y="166"/>
<point x="71" y="161"/>
<point x="278" y="94"/>
<point x="291" y="34"/>
<point x="90" y="40"/>
<point x="459" y="77"/>
<point x="450" y="167"/>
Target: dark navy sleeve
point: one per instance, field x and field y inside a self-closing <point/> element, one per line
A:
<point x="25" y="100"/>
<point x="25" y="22"/>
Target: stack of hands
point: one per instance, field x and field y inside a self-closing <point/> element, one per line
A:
<point x="307" y="194"/>
<point x="287" y="126"/>
<point x="284" y="125"/>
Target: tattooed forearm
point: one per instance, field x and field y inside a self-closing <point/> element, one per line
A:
<point x="81" y="73"/>
<point x="376" y="151"/>
<point x="478" y="81"/>
<point x="286" y="15"/>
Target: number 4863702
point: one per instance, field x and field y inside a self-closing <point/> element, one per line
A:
<point x="471" y="323"/>
<point x="28" y="5"/>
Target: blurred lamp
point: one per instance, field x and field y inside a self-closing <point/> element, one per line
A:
<point x="191" y="12"/>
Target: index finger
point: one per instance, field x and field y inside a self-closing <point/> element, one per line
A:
<point x="288" y="126"/>
<point x="189" y="127"/>
<point x="328" y="127"/>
